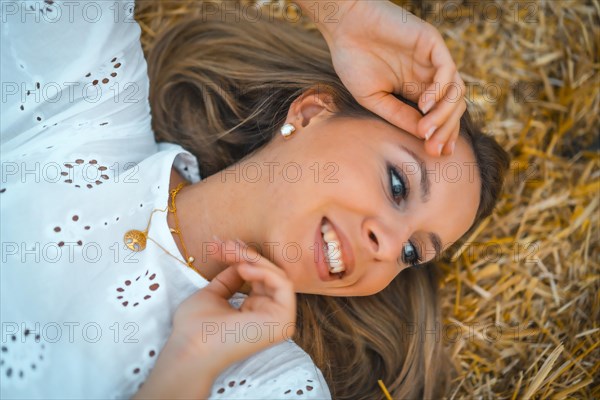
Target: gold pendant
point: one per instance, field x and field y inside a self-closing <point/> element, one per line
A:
<point x="135" y="240"/>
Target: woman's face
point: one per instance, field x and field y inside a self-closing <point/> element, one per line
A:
<point x="390" y="204"/>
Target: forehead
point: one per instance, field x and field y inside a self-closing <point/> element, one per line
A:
<point x="450" y="199"/>
<point x="455" y="190"/>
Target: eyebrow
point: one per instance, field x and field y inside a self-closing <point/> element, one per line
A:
<point x="437" y="243"/>
<point x="425" y="191"/>
<point x="425" y="182"/>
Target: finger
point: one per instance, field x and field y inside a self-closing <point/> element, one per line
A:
<point x="435" y="144"/>
<point x="394" y="111"/>
<point x="442" y="111"/>
<point x="225" y="284"/>
<point x="440" y="55"/>
<point x="445" y="71"/>
<point x="257" y="287"/>
<point x="451" y="143"/>
<point x="438" y="89"/>
<point x="236" y="252"/>
<point x="441" y="138"/>
<point x="252" y="254"/>
<point x="448" y="147"/>
<point x="279" y="288"/>
<point x="214" y="250"/>
<point x="231" y="252"/>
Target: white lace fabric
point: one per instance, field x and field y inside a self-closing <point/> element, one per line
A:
<point x="82" y="316"/>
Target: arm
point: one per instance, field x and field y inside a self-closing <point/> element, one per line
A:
<point x="274" y="373"/>
<point x="410" y="59"/>
<point x="179" y="374"/>
<point x="326" y="14"/>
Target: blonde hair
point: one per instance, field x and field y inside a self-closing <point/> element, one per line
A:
<point x="221" y="91"/>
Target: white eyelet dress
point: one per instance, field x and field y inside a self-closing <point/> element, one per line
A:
<point x="82" y="316"/>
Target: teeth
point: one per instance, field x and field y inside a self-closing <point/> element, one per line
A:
<point x="332" y="250"/>
<point x="330" y="236"/>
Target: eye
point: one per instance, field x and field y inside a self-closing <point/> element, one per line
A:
<point x="398" y="184"/>
<point x="400" y="190"/>
<point x="410" y="255"/>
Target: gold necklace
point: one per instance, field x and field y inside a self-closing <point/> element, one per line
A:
<point x="136" y="240"/>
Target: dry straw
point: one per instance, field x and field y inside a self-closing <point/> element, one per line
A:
<point x="522" y="300"/>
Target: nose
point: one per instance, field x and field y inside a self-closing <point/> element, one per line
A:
<point x="384" y="240"/>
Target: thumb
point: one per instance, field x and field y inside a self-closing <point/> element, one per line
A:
<point x="226" y="283"/>
<point x="394" y="111"/>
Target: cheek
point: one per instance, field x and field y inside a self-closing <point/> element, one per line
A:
<point x="333" y="163"/>
<point x="332" y="177"/>
<point x="354" y="182"/>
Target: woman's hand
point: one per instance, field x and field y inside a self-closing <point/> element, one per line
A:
<point x="379" y="48"/>
<point x="209" y="334"/>
<point x="210" y="327"/>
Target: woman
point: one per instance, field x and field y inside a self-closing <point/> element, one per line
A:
<point x="75" y="295"/>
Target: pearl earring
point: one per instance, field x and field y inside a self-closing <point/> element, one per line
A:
<point x="287" y="129"/>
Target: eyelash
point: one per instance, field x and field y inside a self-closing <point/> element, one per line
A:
<point x="394" y="171"/>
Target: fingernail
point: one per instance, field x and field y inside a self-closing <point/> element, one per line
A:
<point x="440" y="147"/>
<point x="428" y="105"/>
<point x="430" y="132"/>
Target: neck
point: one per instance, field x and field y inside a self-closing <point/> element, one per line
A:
<point x="216" y="206"/>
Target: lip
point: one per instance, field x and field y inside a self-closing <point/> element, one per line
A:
<point x="346" y="249"/>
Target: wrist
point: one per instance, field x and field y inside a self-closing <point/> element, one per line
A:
<point x="179" y="373"/>
<point x="198" y="350"/>
<point x="327" y="15"/>
<point x="194" y="356"/>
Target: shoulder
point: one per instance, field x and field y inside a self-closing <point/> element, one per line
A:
<point x="185" y="165"/>
<point x="74" y="70"/>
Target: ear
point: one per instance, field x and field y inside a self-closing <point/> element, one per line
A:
<point x="312" y="105"/>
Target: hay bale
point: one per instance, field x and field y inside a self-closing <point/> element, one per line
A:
<point x="522" y="302"/>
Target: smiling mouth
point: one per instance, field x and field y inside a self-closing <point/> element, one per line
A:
<point x="332" y="249"/>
